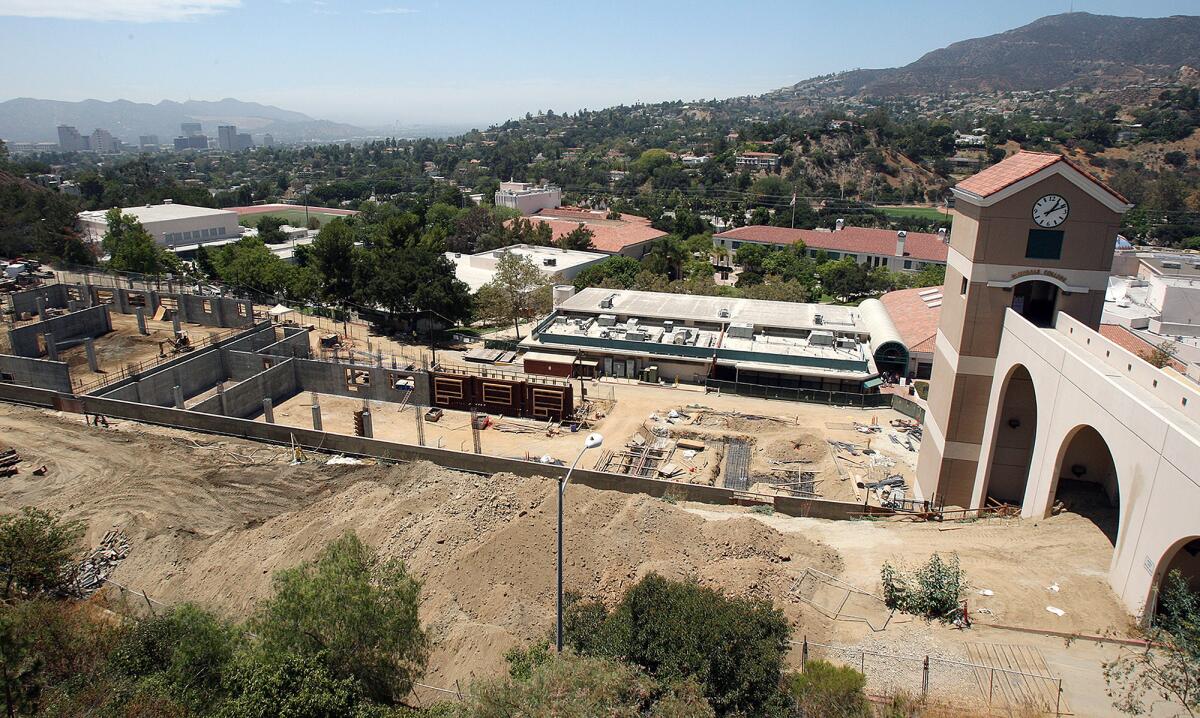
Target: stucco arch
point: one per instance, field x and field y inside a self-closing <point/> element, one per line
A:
<point x="1086" y="447"/>
<point x="1013" y="437"/>
<point x="1184" y="555"/>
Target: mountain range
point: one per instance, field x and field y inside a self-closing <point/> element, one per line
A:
<point x="27" y="119"/>
<point x="1070" y="50"/>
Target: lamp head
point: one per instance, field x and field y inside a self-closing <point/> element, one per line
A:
<point x="592" y="441"/>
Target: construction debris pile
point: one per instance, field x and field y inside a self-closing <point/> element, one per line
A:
<point x="8" y="462"/>
<point x="101" y="562"/>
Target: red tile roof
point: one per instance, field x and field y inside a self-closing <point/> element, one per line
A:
<point x="1124" y="338"/>
<point x="758" y="154"/>
<point x="855" y="240"/>
<point x="608" y="235"/>
<point x="916" y="321"/>
<point x="1016" y="168"/>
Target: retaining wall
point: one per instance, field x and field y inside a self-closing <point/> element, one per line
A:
<point x="245" y="399"/>
<point x="330" y="378"/>
<point x="91" y="322"/>
<point x="39" y="373"/>
<point x="54" y="296"/>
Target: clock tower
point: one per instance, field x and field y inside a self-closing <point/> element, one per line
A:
<point x="1035" y="234"/>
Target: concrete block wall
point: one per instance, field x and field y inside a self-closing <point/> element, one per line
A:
<point x="216" y="311"/>
<point x="90" y="322"/>
<point x="201" y="371"/>
<point x="330" y="378"/>
<point x="40" y="373"/>
<point x="252" y="341"/>
<point x="295" y="343"/>
<point x="245" y="399"/>
<point x="54" y="296"/>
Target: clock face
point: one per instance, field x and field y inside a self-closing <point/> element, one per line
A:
<point x="1050" y="211"/>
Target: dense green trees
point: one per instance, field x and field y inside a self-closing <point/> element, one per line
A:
<point x="131" y="248"/>
<point x="339" y="637"/>
<point x="35" y="546"/>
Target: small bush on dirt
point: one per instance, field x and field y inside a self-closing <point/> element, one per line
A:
<point x="763" y="509"/>
<point x="933" y="590"/>
<point x="829" y="691"/>
<point x="36" y="550"/>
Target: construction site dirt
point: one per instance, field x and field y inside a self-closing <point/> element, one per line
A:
<point x="788" y="442"/>
<point x="209" y="520"/>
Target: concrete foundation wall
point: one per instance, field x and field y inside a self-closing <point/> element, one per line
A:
<point x="91" y="322"/>
<point x="245" y="400"/>
<point x="202" y="371"/>
<point x="329" y="378"/>
<point x="40" y="373"/>
<point x="53" y="296"/>
<point x="295" y="343"/>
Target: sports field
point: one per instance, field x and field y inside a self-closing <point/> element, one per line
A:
<point x="294" y="217"/>
<point x="919" y="212"/>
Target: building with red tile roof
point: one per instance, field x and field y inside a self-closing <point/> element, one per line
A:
<point x="899" y="251"/>
<point x="1126" y="339"/>
<point x="916" y="313"/>
<point x="630" y="235"/>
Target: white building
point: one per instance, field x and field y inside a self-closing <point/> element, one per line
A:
<point x="170" y="224"/>
<point x="528" y="198"/>
<point x="476" y="270"/>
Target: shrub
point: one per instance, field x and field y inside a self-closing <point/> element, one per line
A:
<point x="829" y="691"/>
<point x="933" y="590"/>
<point x="732" y="647"/>
<point x="357" y="613"/>
<point x="36" y="549"/>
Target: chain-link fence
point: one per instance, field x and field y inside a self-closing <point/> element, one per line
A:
<point x="966" y="684"/>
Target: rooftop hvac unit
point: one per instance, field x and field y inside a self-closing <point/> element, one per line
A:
<point x="847" y="343"/>
<point x="679" y="337"/>
<point x="1171" y="265"/>
<point x="821" y="339"/>
<point x="633" y="322"/>
<point x="668" y="325"/>
<point x="606" y="320"/>
<point x="818" y="319"/>
<point x="635" y="336"/>
<point x="723" y="313"/>
<point x="741" y="331"/>
<point x="549" y="262"/>
<point x="607" y="302"/>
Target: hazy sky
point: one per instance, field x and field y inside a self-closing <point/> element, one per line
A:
<point x="414" y="61"/>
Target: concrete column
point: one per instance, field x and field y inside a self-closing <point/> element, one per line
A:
<point x="393" y="361"/>
<point x="89" y="345"/>
<point x="316" y="413"/>
<point x="141" y="320"/>
<point x="269" y="410"/>
<point x="178" y="391"/>
<point x="175" y="321"/>
<point x="379" y="358"/>
<point x="41" y="307"/>
<point x="221" y="398"/>
<point x="51" y="350"/>
<point x="367" y="432"/>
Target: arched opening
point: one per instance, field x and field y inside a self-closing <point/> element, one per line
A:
<point x="1036" y="300"/>
<point x="1016" y="427"/>
<point x="1087" y="481"/>
<point x="1184" y="558"/>
<point x="892" y="358"/>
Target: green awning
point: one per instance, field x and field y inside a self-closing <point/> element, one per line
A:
<point x="872" y="383"/>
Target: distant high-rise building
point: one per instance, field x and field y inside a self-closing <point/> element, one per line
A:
<point x="194" y="142"/>
<point x="148" y="142"/>
<point x="69" y="139"/>
<point x="268" y="140"/>
<point x="190" y="129"/>
<point x="243" y="141"/>
<point x="104" y="143"/>
<point x="227" y="137"/>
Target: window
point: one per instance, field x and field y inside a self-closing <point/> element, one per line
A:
<point x="736" y="245"/>
<point x="963" y="290"/>
<point x="834" y="255"/>
<point x="908" y="264"/>
<point x="1044" y="244"/>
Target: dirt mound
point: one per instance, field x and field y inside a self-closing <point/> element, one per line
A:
<point x="211" y="521"/>
<point x="801" y="446"/>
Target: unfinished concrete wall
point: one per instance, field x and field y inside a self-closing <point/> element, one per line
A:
<point x="216" y="311"/>
<point x="360" y="381"/>
<point x="245" y="399"/>
<point x="295" y="343"/>
<point x="39" y="373"/>
<point x="195" y="374"/>
<point x="91" y="322"/>
<point x="262" y="336"/>
<point x="53" y="296"/>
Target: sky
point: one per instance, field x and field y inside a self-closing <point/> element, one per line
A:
<point x="379" y="63"/>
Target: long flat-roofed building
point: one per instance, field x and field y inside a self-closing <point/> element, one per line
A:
<point x="899" y="251"/>
<point x="659" y="336"/>
<point x="170" y="224"/>
<point x="476" y="270"/>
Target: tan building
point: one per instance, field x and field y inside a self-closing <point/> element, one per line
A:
<point x="1034" y="234"/>
<point x="172" y="225"/>
<point x="1030" y="405"/>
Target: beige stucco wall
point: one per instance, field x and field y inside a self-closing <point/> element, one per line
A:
<point x="1148" y="418"/>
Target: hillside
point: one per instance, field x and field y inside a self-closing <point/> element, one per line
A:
<point x="1069" y="50"/>
<point x="27" y="119"/>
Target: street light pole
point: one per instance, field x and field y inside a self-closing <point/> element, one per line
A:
<point x="592" y="441"/>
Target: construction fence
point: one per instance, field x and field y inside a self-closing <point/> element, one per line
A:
<point x="970" y="685"/>
<point x="811" y="396"/>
